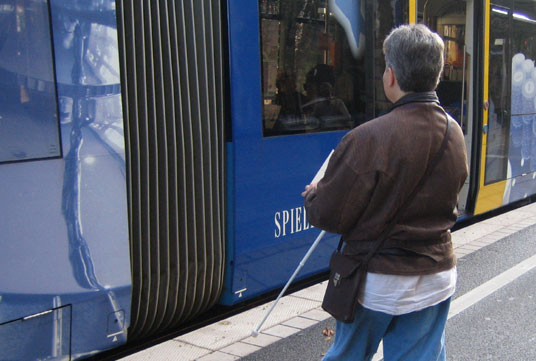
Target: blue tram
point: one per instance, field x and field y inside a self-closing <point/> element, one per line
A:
<point x="152" y="153"/>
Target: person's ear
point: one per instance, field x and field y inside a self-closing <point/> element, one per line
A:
<point x="391" y="79"/>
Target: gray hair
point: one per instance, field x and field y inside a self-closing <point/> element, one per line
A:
<point x="416" y="55"/>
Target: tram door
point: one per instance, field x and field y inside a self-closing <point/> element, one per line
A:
<point x="453" y="20"/>
<point x="509" y="132"/>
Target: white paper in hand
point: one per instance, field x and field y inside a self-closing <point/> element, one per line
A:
<point x="320" y="174"/>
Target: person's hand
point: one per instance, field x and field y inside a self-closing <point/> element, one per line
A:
<point x="308" y="189"/>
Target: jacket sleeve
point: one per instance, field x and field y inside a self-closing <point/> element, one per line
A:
<point x="342" y="195"/>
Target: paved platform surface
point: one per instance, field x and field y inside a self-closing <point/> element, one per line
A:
<point x="294" y="329"/>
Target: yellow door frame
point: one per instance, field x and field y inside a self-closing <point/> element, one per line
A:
<point x="489" y="196"/>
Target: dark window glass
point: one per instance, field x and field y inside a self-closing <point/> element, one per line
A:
<point x="389" y="14"/>
<point x="28" y="111"/>
<point x="522" y="147"/>
<point x="511" y="142"/>
<point x="321" y="71"/>
<point x="448" y="20"/>
<point x="499" y="92"/>
<point x="313" y="68"/>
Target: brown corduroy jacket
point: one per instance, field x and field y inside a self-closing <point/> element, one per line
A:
<point x="374" y="168"/>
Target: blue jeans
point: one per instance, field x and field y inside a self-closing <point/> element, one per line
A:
<point x="416" y="336"/>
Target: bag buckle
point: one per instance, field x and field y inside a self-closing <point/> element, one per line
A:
<point x="336" y="279"/>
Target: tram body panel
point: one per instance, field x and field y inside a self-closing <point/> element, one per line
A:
<point x="276" y="151"/>
<point x="64" y="216"/>
<point x="271" y="231"/>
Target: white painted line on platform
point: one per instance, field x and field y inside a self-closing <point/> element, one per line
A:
<point x="477" y="294"/>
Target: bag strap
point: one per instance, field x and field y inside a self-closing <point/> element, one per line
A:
<point x="435" y="160"/>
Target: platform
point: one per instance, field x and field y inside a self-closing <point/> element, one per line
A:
<point x="300" y="313"/>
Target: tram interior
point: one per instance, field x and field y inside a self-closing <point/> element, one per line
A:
<point x="453" y="21"/>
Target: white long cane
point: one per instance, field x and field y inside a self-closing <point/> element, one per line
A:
<point x="255" y="332"/>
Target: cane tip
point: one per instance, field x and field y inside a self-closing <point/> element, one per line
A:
<point x="254" y="333"/>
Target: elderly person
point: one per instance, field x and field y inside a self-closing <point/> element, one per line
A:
<point x="406" y="295"/>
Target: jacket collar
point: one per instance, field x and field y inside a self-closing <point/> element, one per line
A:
<point x="424" y="97"/>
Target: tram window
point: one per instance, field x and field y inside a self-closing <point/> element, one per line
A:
<point x="29" y="127"/>
<point x="448" y="20"/>
<point x="499" y="90"/>
<point x="313" y="68"/>
<point x="522" y="141"/>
